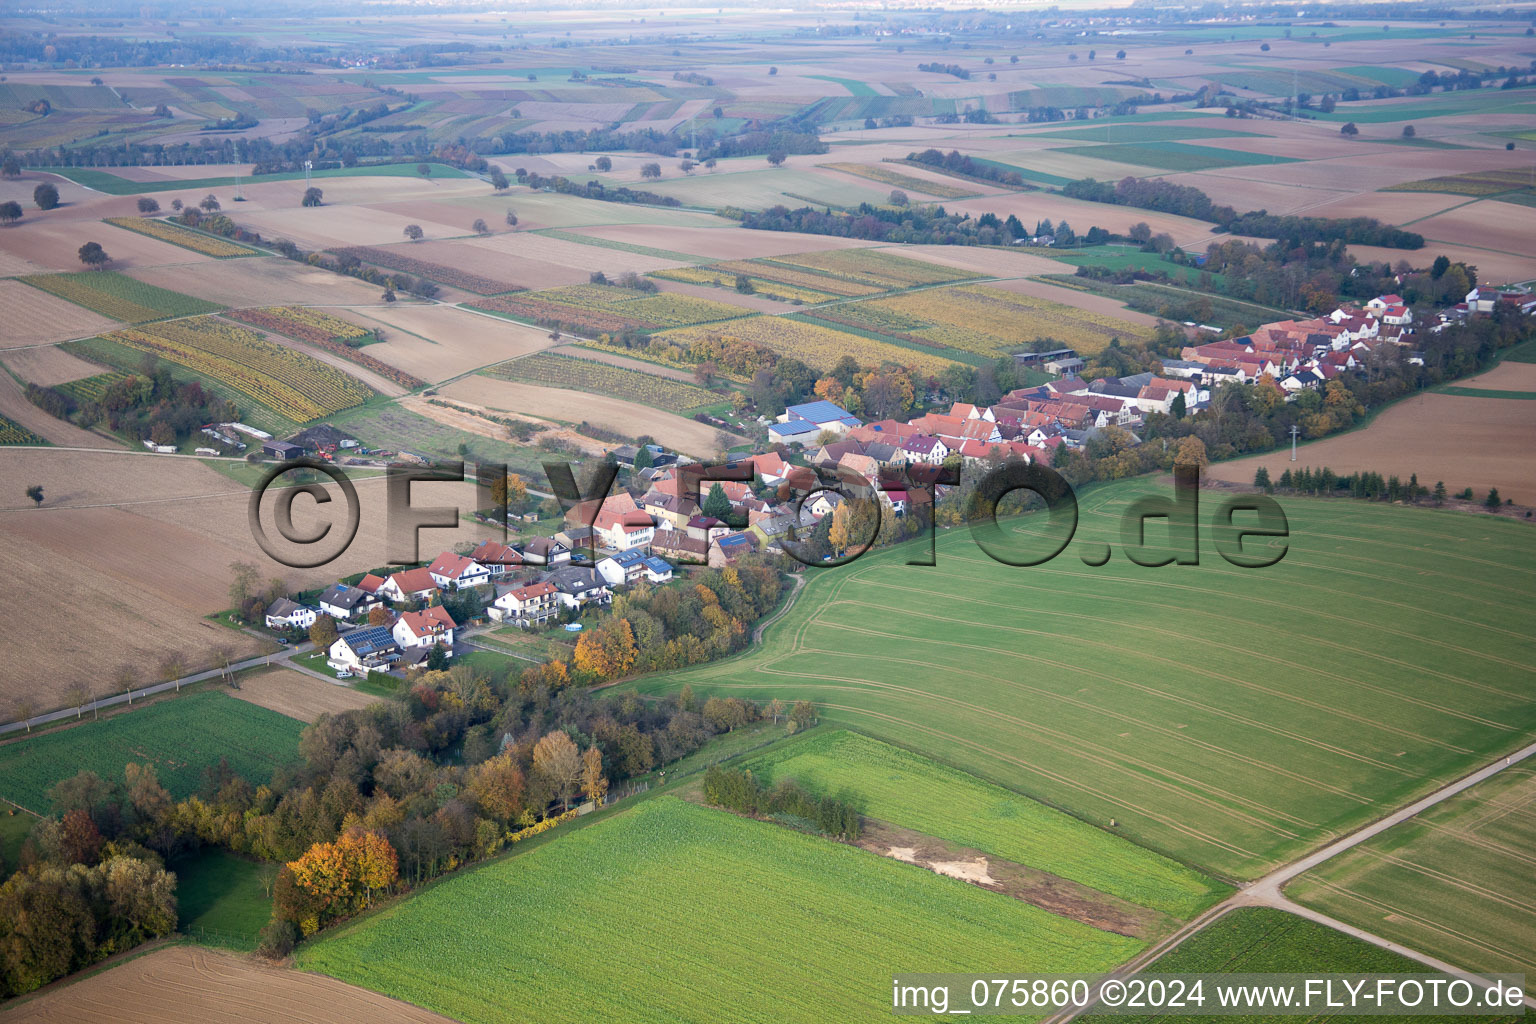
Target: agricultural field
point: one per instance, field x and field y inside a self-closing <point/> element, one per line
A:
<point x="905" y="788"/>
<point x="1093" y="695"/>
<point x="391" y="258"/>
<point x="208" y="245"/>
<point x="1259" y="940"/>
<point x="879" y="269"/>
<point x="778" y="273"/>
<point x="119" y="296"/>
<point x="12" y="432"/>
<point x="297" y="695"/>
<point x="183" y="982"/>
<point x="437" y="342"/>
<point x="984" y="320"/>
<point x="909" y="182"/>
<point x="709" y="275"/>
<point x="1474" y="183"/>
<point x="813" y="344"/>
<point x="180" y="736"/>
<point x="35" y="317"/>
<point x="289" y="382"/>
<point x="48" y="365"/>
<point x="1172" y="156"/>
<point x="829" y="924"/>
<point x="563" y="371"/>
<point x="609" y="309"/>
<point x="1453" y="881"/>
<point x="329" y="333"/>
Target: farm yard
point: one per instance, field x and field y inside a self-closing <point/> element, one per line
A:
<point x="627" y="882"/>
<point x="1450" y="881"/>
<point x="1228" y="761"/>
<point x="577" y="374"/>
<point x="179" y="737"/>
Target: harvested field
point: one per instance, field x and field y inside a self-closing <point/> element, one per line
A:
<point x="1387" y="207"/>
<point x="723" y="243"/>
<point x="1002" y="263"/>
<point x="331" y="225"/>
<point x="626" y="418"/>
<point x="299" y="695"/>
<point x="527" y="248"/>
<point x="14" y="405"/>
<point x="54" y="242"/>
<point x="265" y="282"/>
<point x="111" y="514"/>
<point x="437" y="343"/>
<point x="34" y="317"/>
<point x="1507" y="376"/>
<point x="182" y="983"/>
<point x="1504" y="227"/>
<point x="1466" y="442"/>
<point x="1493" y="268"/>
<point x="48" y="365"/>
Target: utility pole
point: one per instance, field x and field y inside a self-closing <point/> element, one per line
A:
<point x="238" y="197"/>
<point x="307" y="165"/>
<point x="1295" y="430"/>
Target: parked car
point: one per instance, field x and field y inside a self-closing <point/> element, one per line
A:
<point x="343" y="674"/>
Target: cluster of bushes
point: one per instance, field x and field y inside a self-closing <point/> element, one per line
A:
<point x="956" y="162"/>
<point x="1296" y="231"/>
<point x="739" y="790"/>
<point x="936" y="68"/>
<point x="1150" y="194"/>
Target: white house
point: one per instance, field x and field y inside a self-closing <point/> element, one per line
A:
<point x="363" y="650"/>
<point x="821" y="415"/>
<point x="624" y="529"/>
<point x="286" y="614"/>
<point x="924" y="448"/>
<point x="532" y="604"/>
<point x="424" y="628"/>
<point x="410" y="585"/>
<point x="624" y="567"/>
<point x="454" y="572"/>
<point x="657" y="570"/>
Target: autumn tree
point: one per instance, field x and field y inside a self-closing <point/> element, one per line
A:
<point x="323" y="633"/>
<point x="608" y="650"/>
<point x="45" y="196"/>
<point x="480" y="227"/>
<point x="499" y="787"/>
<point x="414" y="232"/>
<point x="79" y="839"/>
<point x="379" y="615"/>
<point x="594" y="784"/>
<point x="210" y="203"/>
<point x="35" y="493"/>
<point x="499" y="180"/>
<point x="148" y="206"/>
<point x="312" y="197"/>
<point x="603" y="164"/>
<point x="650" y="171"/>
<point x="10" y="212"/>
<point x="558" y="765"/>
<point x="777" y="157"/>
<point x="512" y="219"/>
<point x="1191" y="451"/>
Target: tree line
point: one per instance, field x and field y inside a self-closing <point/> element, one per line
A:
<point x="738" y="790"/>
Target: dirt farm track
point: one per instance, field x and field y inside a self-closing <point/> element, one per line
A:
<point x="184" y="983"/>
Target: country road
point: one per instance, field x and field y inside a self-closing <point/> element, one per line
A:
<point x="1268" y="890"/>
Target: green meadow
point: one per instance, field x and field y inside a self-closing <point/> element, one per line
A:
<point x="1227" y="717"/>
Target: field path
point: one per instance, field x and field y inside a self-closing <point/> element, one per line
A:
<point x="1268" y="891"/>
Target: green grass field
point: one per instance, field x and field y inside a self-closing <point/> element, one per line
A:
<point x="15" y="826"/>
<point x="180" y="737"/>
<point x="908" y="789"/>
<point x="672" y="912"/>
<point x="1259" y="940"/>
<point x="1230" y="718"/>
<point x="1454" y="881"/>
<point x="1128" y="257"/>
<point x="113" y="185"/>
<point x="223" y="900"/>
<point x="1173" y="156"/>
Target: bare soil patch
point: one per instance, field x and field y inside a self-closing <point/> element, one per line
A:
<point x="627" y="418"/>
<point x="54" y="242"/>
<point x="1507" y="376"/>
<point x="1059" y="896"/>
<point x="1487" y="225"/>
<point x="519" y="249"/>
<point x="721" y="243"/>
<point x="298" y="695"/>
<point x="1493" y="268"/>
<point x="14" y="404"/>
<point x="1466" y="442"/>
<point x="258" y="281"/>
<point x="48" y="365"/>
<point x="333" y="225"/>
<point x="35" y="317"/>
<point x="183" y="983"/>
<point x="437" y="342"/>
<point x="993" y="262"/>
